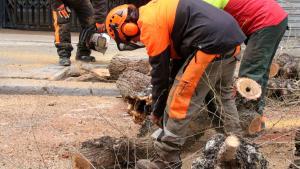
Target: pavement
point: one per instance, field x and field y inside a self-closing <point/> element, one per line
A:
<point x="28" y="59"/>
<point x="46" y="87"/>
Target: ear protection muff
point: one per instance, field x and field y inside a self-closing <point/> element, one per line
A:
<point x="130" y="29"/>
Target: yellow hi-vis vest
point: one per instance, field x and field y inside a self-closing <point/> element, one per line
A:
<point x="217" y="3"/>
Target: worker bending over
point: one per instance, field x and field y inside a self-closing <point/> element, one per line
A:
<point x="199" y="43"/>
<point x="264" y="22"/>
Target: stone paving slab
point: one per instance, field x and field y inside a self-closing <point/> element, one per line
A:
<point x="45" y="87"/>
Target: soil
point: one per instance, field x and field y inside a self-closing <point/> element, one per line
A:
<point x="39" y="131"/>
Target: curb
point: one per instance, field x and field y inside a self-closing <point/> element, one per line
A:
<point x="45" y="87"/>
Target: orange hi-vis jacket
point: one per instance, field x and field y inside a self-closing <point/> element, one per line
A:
<point x="177" y="29"/>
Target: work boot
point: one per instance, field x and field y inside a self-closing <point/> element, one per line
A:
<point x="167" y="157"/>
<point x="86" y="58"/>
<point x="83" y="53"/>
<point x="64" y="61"/>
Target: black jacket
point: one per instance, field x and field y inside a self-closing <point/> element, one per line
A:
<point x="100" y="7"/>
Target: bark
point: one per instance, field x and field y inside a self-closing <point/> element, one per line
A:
<point x="229" y="148"/>
<point x="135" y="88"/>
<point x="120" y="63"/>
<point x="296" y="163"/>
<point x="289" y="66"/>
<point x="284" y="89"/>
<point x="247" y="156"/>
<point x="109" y="152"/>
<point x="133" y="84"/>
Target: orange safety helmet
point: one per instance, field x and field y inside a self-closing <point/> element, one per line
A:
<point x="120" y="22"/>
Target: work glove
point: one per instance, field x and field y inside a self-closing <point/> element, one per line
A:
<point x="63" y="14"/>
<point x="100" y="27"/>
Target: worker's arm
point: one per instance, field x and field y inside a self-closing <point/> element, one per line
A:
<point x="100" y="9"/>
<point x="157" y="42"/>
<point x="56" y="4"/>
<point x="160" y="81"/>
<point x="62" y="12"/>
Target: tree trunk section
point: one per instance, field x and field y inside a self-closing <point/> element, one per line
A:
<point x="289" y="66"/>
<point x="109" y="152"/>
<point x="287" y="90"/>
<point x="133" y="84"/>
<point x="248" y="88"/>
<point x="120" y="63"/>
<point x="135" y="88"/>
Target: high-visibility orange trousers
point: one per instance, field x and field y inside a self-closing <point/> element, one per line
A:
<point x="197" y="77"/>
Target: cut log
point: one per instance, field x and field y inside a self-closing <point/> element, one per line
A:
<point x="120" y="63"/>
<point x="289" y="67"/>
<point x="134" y="85"/>
<point x="80" y="162"/>
<point x="108" y="152"/>
<point x="287" y="90"/>
<point x="135" y="88"/>
<point x="274" y="69"/>
<point x="248" y="88"/>
<point x="246" y="156"/>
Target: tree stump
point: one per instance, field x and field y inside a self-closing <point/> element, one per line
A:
<point x="120" y="63"/>
<point x="109" y="152"/>
<point x="242" y="154"/>
<point x="229" y="148"/>
<point x="246" y="100"/>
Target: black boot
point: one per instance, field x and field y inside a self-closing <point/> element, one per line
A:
<point x="167" y="157"/>
<point x="64" y="52"/>
<point x="86" y="58"/>
<point x="83" y="53"/>
<point x="64" y="61"/>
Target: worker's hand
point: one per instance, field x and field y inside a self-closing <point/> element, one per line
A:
<point x="157" y="120"/>
<point x="100" y="27"/>
<point x="63" y="11"/>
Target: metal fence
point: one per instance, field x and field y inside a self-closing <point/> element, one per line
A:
<point x="27" y="14"/>
<point x="35" y="14"/>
